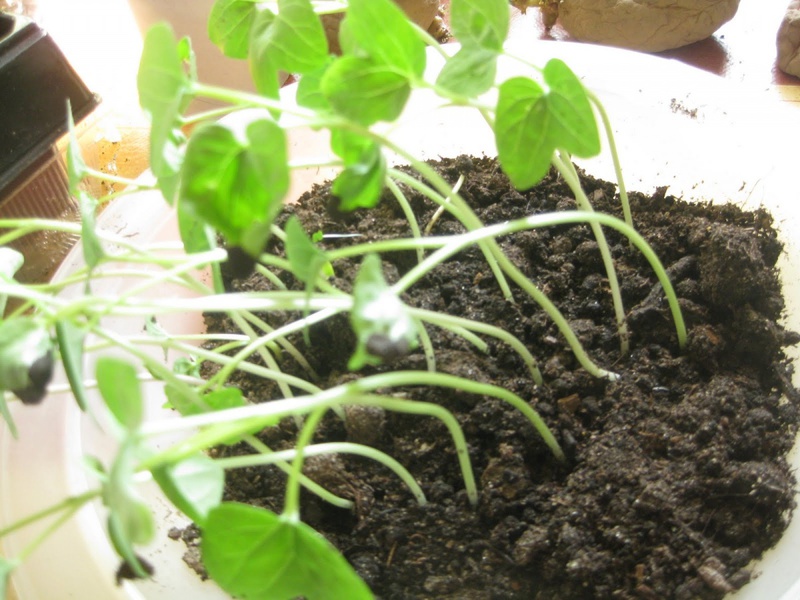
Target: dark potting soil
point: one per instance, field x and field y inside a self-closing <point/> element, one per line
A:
<point x="677" y="476"/>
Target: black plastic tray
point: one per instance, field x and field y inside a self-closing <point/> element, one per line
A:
<point x="35" y="82"/>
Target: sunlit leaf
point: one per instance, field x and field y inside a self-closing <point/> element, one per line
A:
<point x="532" y="123"/>
<point x="236" y="182"/>
<point x="163" y="85"/>
<point x="229" y="25"/>
<point x="255" y="554"/>
<point x="382" y="31"/>
<point x="293" y="39"/>
<point x="470" y="72"/>
<point x="481" y="23"/>
<point x="364" y="90"/>
<point x="309" y="89"/>
<point x="196" y="235"/>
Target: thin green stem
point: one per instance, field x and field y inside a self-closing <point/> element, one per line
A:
<point x="252" y="460"/>
<point x="427" y="347"/>
<point x="456" y="324"/>
<point x="564" y="165"/>
<point x="281" y="462"/>
<point x="291" y="503"/>
<point x="418" y="378"/>
<point x="612" y="147"/>
<point x="407" y="212"/>
<point x="108" y="177"/>
<point x="66" y="504"/>
<point x="232" y="423"/>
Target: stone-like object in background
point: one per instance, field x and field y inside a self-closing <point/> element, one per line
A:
<point x="789" y="40"/>
<point x="648" y="25"/>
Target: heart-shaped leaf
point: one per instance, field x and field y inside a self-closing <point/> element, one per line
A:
<point x="531" y="123"/>
<point x="255" y="554"/>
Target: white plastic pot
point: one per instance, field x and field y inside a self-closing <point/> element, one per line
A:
<point x="675" y="126"/>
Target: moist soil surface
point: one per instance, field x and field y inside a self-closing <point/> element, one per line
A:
<point x="676" y="475"/>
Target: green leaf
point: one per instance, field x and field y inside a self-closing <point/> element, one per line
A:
<point x="382" y="31"/>
<point x="309" y="89"/>
<point x="263" y="69"/>
<point x="194" y="486"/>
<point x="306" y="259"/>
<point x="361" y="183"/>
<point x="130" y="521"/>
<point x="6" y="568"/>
<point x="236" y="183"/>
<point x="221" y="399"/>
<point x="163" y="94"/>
<point x="384" y="329"/>
<point x="196" y="235"/>
<point x="572" y="110"/>
<point x="255" y="554"/>
<point x="229" y="25"/>
<point x="119" y="386"/>
<point x="293" y="39"/>
<point x="481" y="23"/>
<point x="70" y="344"/>
<point x="532" y="123"/>
<point x="304" y="256"/>
<point x="26" y="358"/>
<point x="470" y="72"/>
<point x="76" y="167"/>
<point x="93" y="252"/>
<point x="364" y="90"/>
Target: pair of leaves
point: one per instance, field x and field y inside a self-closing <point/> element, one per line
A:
<point x="481" y="26"/>
<point x="229" y="25"/>
<point x="360" y="184"/>
<point x="383" y="56"/>
<point x="291" y="39"/>
<point x="254" y="553"/>
<point x="305" y="257"/>
<point x="130" y="522"/>
<point x="531" y="123"/>
<point x="286" y="36"/>
<point x="235" y="181"/>
<point x="164" y="93"/>
<point x="383" y="327"/>
<point x="194" y="485"/>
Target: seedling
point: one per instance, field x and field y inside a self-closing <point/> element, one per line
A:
<point x="232" y="181"/>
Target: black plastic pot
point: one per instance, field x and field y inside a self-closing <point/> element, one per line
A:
<point x="35" y="83"/>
